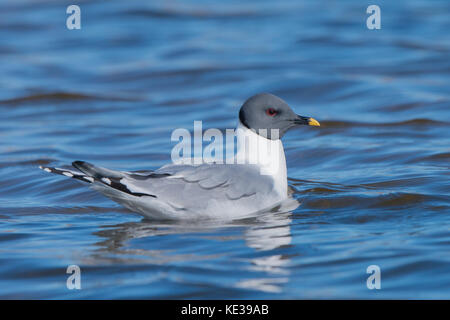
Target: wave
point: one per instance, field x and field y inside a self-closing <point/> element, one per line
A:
<point x="411" y="122"/>
<point x="59" y="96"/>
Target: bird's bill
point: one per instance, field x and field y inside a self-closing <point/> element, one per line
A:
<point x="301" y="120"/>
<point x="313" y="122"/>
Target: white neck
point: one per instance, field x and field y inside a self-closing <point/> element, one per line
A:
<point x="265" y="153"/>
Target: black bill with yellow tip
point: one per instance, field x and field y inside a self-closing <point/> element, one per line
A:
<point x="301" y="120"/>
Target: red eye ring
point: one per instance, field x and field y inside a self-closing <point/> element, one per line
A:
<point x="271" y="112"/>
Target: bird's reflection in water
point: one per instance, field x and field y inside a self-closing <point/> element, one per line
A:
<point x="272" y="232"/>
<point x="266" y="233"/>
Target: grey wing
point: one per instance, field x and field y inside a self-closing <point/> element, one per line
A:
<point x="186" y="187"/>
<point x="191" y="187"/>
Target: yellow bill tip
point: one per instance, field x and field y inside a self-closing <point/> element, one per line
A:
<point x="313" y="122"/>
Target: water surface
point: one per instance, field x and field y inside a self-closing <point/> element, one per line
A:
<point x="373" y="180"/>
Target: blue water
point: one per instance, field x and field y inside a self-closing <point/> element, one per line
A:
<point x="373" y="179"/>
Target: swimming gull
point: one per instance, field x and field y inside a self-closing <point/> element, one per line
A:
<point x="255" y="181"/>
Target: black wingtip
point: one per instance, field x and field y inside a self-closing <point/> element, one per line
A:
<point x="78" y="163"/>
<point x="68" y="173"/>
<point x="81" y="165"/>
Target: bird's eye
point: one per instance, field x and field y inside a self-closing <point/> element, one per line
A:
<point x="271" y="112"/>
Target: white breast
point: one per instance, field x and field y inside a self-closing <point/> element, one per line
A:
<point x="267" y="154"/>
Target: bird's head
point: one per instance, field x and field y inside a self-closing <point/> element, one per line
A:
<point x="264" y="112"/>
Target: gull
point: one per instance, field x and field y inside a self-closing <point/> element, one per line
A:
<point x="255" y="181"/>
